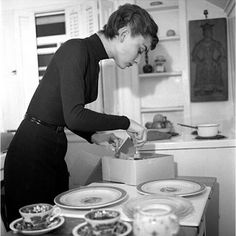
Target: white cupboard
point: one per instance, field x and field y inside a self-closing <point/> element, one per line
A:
<point x="164" y="91"/>
<point x="214" y="158"/>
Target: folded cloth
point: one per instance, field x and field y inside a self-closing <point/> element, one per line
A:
<point x="157" y="135"/>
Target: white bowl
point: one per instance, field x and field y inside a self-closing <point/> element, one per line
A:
<point x="97" y="218"/>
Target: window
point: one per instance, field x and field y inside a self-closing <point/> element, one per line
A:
<point x="50" y="33"/>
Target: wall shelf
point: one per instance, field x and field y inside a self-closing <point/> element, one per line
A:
<point x="154" y="5"/>
<point x="161" y="109"/>
<point x="164" y="74"/>
<point x="169" y="38"/>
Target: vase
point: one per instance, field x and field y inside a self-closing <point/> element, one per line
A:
<point x="147" y="68"/>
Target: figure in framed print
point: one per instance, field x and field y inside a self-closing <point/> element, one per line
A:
<point x="208" y="65"/>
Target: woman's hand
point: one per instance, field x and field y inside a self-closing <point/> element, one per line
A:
<point x="138" y="133"/>
<point x="104" y="138"/>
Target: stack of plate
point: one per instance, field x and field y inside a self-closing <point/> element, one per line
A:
<point x="181" y="207"/>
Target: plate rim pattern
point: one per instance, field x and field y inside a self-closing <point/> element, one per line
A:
<point x="128" y="207"/>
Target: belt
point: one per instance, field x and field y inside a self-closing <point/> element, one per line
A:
<point x="40" y="122"/>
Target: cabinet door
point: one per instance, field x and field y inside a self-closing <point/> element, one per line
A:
<point x="81" y="22"/>
<point x="106" y="7"/>
<point x="11" y="87"/>
<point x="119" y="86"/>
<point x="90" y="17"/>
<point x="26" y="55"/>
<point x="108" y="67"/>
<point x="74" y="23"/>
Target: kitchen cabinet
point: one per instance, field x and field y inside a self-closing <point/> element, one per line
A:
<point x="214" y="158"/>
<point x="14" y="87"/>
<point x="164" y="91"/>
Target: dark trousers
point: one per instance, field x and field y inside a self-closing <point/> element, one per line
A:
<point x="35" y="170"/>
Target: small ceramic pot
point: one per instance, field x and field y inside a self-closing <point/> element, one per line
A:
<point x="170" y="32"/>
<point x="155" y="220"/>
<point x="159" y="64"/>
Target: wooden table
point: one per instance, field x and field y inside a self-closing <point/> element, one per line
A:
<point x="210" y="216"/>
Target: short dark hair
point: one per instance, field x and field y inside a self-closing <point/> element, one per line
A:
<point x="137" y="18"/>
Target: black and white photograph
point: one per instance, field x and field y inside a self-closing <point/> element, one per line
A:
<point x="118" y="117"/>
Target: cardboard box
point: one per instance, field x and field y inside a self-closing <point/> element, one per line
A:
<point x="136" y="171"/>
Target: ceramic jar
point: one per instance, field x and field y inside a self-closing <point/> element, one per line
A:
<point x="147" y="68"/>
<point x="159" y="64"/>
<point x="155" y="220"/>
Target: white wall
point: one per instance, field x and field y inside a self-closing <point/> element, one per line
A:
<point x="206" y="112"/>
<point x="1" y="70"/>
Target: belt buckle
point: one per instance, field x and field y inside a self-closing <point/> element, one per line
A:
<point x="35" y="120"/>
<point x="59" y="129"/>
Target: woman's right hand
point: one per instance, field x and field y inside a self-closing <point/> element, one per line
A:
<point x="137" y="132"/>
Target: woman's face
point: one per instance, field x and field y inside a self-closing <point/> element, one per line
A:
<point x="130" y="48"/>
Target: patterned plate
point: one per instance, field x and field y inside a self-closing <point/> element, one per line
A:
<point x="122" y="229"/>
<point x="177" y="187"/>
<point x="18" y="226"/>
<point x="90" y="197"/>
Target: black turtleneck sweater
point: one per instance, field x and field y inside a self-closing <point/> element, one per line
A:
<point x="70" y="82"/>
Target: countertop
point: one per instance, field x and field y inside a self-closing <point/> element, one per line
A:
<point x="184" y="140"/>
<point x="189" y="141"/>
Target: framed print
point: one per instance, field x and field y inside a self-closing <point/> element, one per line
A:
<point x="208" y="60"/>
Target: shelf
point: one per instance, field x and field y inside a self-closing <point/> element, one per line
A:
<point x="162" y="8"/>
<point x="154" y="5"/>
<point x="164" y="74"/>
<point x="169" y="38"/>
<point x="158" y="109"/>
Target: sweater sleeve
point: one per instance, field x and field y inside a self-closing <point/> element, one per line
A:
<point x="85" y="135"/>
<point x="72" y="68"/>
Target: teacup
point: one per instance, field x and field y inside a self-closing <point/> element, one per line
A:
<point x="39" y="213"/>
<point x="103" y="221"/>
<point x="155" y="220"/>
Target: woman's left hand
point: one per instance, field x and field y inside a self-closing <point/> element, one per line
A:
<point x="104" y="138"/>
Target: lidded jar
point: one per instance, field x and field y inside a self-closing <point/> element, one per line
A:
<point x="155" y="220"/>
<point x="159" y="64"/>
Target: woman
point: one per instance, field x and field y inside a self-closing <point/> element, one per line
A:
<point x="35" y="169"/>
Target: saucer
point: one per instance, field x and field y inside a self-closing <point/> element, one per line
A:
<point x="84" y="229"/>
<point x="218" y="136"/>
<point x="17" y="226"/>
